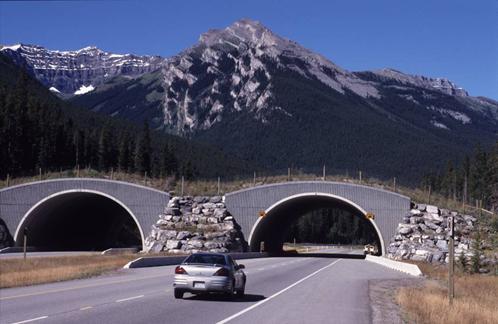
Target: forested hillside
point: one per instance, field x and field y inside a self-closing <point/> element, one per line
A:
<point x="475" y="178"/>
<point x="38" y="130"/>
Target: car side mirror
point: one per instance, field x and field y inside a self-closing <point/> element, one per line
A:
<point x="241" y="266"/>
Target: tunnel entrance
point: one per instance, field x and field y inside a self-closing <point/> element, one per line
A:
<point x="79" y="221"/>
<point x="344" y="221"/>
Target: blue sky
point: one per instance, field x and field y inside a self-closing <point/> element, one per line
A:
<point x="445" y="38"/>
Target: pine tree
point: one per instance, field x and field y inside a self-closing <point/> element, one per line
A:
<point x="143" y="151"/>
<point x="480" y="180"/>
<point x="105" y="149"/>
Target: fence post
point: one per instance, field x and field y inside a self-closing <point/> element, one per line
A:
<point x="78" y="171"/>
<point x="394" y="184"/>
<point x="464" y="198"/>
<point x="8" y="179"/>
<point x="288" y="174"/>
<point x="40" y="174"/>
<point x="429" y="198"/>
<point x="360" y="175"/>
<point x="451" y="266"/>
<point x="112" y="173"/>
<point x="145" y="178"/>
<point x="254" y="180"/>
<point x="183" y="180"/>
<point x="218" y="186"/>
<point x="324" y="172"/>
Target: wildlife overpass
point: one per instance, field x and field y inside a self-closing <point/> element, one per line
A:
<point x="94" y="214"/>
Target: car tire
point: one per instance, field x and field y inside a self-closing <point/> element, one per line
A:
<point x="231" y="293"/>
<point x="241" y="292"/>
<point x="178" y="293"/>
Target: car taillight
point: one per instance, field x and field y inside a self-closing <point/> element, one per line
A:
<point x="222" y="272"/>
<point x="180" y="270"/>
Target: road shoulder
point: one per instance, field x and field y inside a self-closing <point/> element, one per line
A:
<point x="382" y="294"/>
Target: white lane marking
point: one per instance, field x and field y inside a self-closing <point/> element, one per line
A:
<point x="30" y="320"/>
<point x="129" y="298"/>
<point x="261" y="269"/>
<point x="85" y="308"/>
<point x="275" y="294"/>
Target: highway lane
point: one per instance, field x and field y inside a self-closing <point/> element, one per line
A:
<point x="146" y="295"/>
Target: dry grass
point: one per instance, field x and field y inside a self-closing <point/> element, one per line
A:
<point x="476" y="299"/>
<point x="36" y="270"/>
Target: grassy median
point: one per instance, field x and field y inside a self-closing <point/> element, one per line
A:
<point x="476" y="298"/>
<point x="36" y="270"/>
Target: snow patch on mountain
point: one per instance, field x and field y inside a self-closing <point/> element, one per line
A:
<point x="439" y="125"/>
<point x="84" y="89"/>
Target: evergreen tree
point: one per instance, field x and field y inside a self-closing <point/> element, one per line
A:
<point x="143" y="151"/>
<point x="169" y="163"/>
<point x="479" y="180"/>
<point x="105" y="155"/>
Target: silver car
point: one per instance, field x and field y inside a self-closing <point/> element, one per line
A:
<point x="209" y="272"/>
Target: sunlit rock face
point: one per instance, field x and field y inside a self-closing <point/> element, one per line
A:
<point x="73" y="72"/>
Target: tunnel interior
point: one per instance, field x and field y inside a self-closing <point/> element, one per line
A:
<point x="273" y="229"/>
<point x="79" y="221"/>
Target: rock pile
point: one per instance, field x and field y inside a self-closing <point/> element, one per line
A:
<point x="192" y="224"/>
<point x="424" y="235"/>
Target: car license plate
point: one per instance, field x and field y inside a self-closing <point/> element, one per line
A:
<point x="199" y="285"/>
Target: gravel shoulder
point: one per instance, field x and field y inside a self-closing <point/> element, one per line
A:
<point x="382" y="295"/>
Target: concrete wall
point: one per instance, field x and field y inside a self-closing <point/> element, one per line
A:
<point x="143" y="203"/>
<point x="388" y="207"/>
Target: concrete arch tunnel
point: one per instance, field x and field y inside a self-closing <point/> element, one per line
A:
<point x="283" y="213"/>
<point x="282" y="203"/>
<point x="80" y="214"/>
<point x="80" y="220"/>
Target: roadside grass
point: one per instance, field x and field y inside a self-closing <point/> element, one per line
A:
<point x="36" y="270"/>
<point x="476" y="298"/>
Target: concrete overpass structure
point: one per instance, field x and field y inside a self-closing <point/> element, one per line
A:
<point x="90" y="213"/>
<point x="80" y="211"/>
<point x="282" y="203"/>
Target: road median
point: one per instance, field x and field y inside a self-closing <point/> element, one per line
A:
<point x="158" y="261"/>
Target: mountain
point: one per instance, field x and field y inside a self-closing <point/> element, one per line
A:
<point x="40" y="130"/>
<point x="81" y="71"/>
<point x="273" y="102"/>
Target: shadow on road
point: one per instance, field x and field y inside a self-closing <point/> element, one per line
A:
<point x="223" y="298"/>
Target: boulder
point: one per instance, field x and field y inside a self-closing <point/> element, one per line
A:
<point x="405" y="230"/>
<point x="173" y="244"/>
<point x="442" y="245"/>
<point x="183" y="235"/>
<point x="215" y="199"/>
<point x="432" y="209"/>
<point x="175" y="211"/>
<point x="154" y="247"/>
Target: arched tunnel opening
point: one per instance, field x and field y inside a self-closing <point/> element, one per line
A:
<point x="316" y="219"/>
<point x="79" y="221"/>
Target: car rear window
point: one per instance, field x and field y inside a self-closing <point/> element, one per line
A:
<point x="206" y="258"/>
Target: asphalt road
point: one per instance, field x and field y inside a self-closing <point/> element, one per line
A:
<point x="279" y="290"/>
